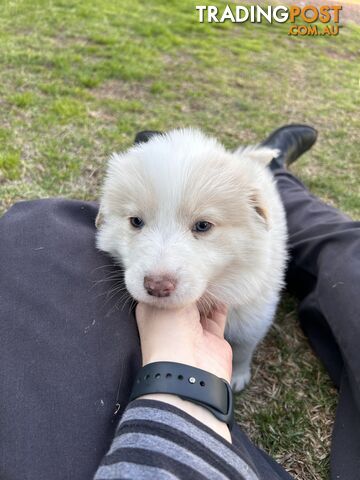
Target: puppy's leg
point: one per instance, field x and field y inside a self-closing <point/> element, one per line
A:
<point x="242" y="355"/>
<point x="246" y="327"/>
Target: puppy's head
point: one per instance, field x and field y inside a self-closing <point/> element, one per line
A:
<point x="186" y="219"/>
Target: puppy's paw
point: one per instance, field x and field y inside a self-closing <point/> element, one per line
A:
<point x="240" y="378"/>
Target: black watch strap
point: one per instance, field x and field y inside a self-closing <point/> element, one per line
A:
<point x="189" y="383"/>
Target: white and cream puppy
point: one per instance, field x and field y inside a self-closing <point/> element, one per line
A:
<point x="192" y="222"/>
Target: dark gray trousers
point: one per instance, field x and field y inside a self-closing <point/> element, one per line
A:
<point x="69" y="347"/>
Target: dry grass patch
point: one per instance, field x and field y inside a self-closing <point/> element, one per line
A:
<point x="289" y="406"/>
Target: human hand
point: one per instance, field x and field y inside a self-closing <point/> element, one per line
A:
<point x="183" y="336"/>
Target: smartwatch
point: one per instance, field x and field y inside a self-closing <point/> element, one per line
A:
<point x="189" y="383"/>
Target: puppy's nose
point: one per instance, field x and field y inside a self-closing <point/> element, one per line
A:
<point x="159" y="285"/>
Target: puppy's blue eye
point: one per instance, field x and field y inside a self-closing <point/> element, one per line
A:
<point x="202" y="226"/>
<point x="137" y="222"/>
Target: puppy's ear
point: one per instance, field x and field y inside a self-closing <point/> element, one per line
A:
<point x="259" y="154"/>
<point x="99" y="219"/>
<point x="258" y="204"/>
<point x="146" y="135"/>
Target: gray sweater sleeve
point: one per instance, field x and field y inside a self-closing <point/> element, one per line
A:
<point x="155" y="440"/>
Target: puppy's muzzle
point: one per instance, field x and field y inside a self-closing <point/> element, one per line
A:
<point x="159" y="286"/>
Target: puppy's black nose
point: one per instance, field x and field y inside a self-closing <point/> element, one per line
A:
<point x="159" y="285"/>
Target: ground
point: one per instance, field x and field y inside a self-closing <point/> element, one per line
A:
<point x="79" y="77"/>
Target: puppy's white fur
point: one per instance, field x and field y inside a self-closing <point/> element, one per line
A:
<point x="174" y="181"/>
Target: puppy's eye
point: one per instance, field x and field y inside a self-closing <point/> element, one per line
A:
<point x="202" y="226"/>
<point x="136" y="222"/>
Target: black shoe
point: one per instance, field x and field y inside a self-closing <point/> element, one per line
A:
<point x="292" y="141"/>
<point x="144" y="136"/>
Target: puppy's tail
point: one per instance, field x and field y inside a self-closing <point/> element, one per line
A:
<point x="258" y="153"/>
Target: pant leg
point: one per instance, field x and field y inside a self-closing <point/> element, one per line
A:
<point x="266" y="467"/>
<point x="68" y="350"/>
<point x="64" y="343"/>
<point x="324" y="273"/>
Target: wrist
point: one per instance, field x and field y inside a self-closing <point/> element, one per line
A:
<point x="197" y="411"/>
<point x="169" y="356"/>
<point x="198" y="392"/>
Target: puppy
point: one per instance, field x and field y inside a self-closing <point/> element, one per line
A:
<point x="192" y="222"/>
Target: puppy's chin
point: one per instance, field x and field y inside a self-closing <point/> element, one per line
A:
<point x="205" y="306"/>
<point x="170" y="302"/>
<point x="204" y="302"/>
<point x="183" y="296"/>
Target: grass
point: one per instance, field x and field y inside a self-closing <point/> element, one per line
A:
<point x="288" y="408"/>
<point x="79" y="77"/>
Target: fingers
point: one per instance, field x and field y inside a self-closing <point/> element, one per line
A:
<point x="215" y="322"/>
<point x="219" y="317"/>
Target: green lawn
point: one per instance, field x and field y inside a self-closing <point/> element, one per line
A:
<point x="78" y="78"/>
